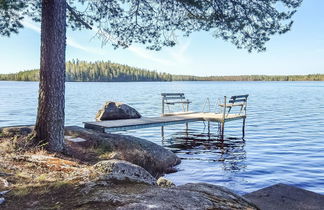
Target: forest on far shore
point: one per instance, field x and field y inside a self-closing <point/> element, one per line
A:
<point x="106" y="71"/>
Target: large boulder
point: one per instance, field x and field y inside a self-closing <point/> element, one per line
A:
<point x="189" y="196"/>
<point x="282" y="197"/>
<point x="152" y="157"/>
<point x="116" y="111"/>
<point x="121" y="171"/>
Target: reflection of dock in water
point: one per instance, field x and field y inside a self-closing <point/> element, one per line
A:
<point x="190" y="145"/>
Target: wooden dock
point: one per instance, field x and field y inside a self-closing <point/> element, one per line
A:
<point x="171" y="118"/>
<point x="167" y="119"/>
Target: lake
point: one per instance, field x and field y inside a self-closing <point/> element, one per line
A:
<point x="284" y="139"/>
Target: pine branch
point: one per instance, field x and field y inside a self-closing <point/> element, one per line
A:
<point x="77" y="17"/>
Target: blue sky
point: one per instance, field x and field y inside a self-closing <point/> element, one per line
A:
<point x="300" y="51"/>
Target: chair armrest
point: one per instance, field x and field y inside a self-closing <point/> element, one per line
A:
<point x="178" y="102"/>
<point x="231" y="104"/>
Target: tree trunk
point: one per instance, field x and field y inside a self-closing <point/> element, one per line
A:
<point x="50" y="115"/>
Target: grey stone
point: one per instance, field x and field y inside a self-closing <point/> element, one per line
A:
<point x="283" y="197"/>
<point x="5" y="174"/>
<point x="16" y="130"/>
<point x="154" y="158"/>
<point x="4" y="192"/>
<point x="123" y="171"/>
<point x="115" y="111"/>
<point x="163" y="182"/>
<point x="3" y="183"/>
<point x="189" y="196"/>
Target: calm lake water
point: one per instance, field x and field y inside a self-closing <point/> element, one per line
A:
<point x="284" y="139"/>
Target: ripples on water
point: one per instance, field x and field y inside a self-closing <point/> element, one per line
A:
<point x="284" y="140"/>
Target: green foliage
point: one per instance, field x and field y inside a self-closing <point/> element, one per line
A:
<point x="12" y="13"/>
<point x="309" y="77"/>
<point x="100" y="71"/>
<point x="247" y="24"/>
<point x="10" y="16"/>
<point x="30" y="75"/>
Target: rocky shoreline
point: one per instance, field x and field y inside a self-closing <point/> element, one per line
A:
<point x="110" y="171"/>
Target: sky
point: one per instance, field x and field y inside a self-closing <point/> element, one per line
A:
<point x="299" y="51"/>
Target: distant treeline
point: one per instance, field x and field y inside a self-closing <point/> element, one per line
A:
<point x="309" y="77"/>
<point x="100" y="71"/>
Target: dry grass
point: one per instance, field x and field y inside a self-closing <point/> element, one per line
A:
<point x="34" y="165"/>
<point x="39" y="179"/>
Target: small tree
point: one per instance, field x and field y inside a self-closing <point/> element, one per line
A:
<point x="247" y="24"/>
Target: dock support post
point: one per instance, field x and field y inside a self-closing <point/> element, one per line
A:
<point x="187" y="130"/>
<point x="222" y="129"/>
<point x="162" y="133"/>
<point x="243" y="128"/>
<point x="162" y="106"/>
<point x="223" y="121"/>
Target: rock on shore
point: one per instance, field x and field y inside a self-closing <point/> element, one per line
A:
<point x="188" y="196"/>
<point x="154" y="158"/>
<point x="163" y="182"/>
<point x="44" y="180"/>
<point x="119" y="170"/>
<point x="283" y="197"/>
<point x="115" y="111"/>
<point x="16" y="130"/>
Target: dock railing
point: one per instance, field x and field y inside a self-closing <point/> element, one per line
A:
<point x="207" y="102"/>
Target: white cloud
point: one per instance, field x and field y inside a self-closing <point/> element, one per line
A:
<point x="179" y="53"/>
<point x="69" y="41"/>
<point x="30" y="25"/>
<point x="173" y="56"/>
<point x="141" y="52"/>
<point x="72" y="43"/>
<point x="144" y="53"/>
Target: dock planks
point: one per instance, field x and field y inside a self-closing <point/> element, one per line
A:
<point x="169" y="119"/>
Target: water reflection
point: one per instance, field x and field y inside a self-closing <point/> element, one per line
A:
<point x="189" y="144"/>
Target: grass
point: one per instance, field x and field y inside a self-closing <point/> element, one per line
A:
<point x="104" y="147"/>
<point x="42" y="180"/>
<point x="60" y="184"/>
<point x="103" y="150"/>
<point x="22" y="191"/>
<point x="57" y="195"/>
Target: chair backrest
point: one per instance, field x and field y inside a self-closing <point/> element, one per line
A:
<point x="173" y="96"/>
<point x="238" y="99"/>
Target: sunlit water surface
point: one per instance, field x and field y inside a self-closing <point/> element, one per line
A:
<point x="284" y="139"/>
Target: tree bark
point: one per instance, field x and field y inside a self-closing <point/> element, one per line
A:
<point x="49" y="126"/>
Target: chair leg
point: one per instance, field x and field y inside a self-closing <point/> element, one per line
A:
<point x="243" y="129"/>
<point x="222" y="130"/>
